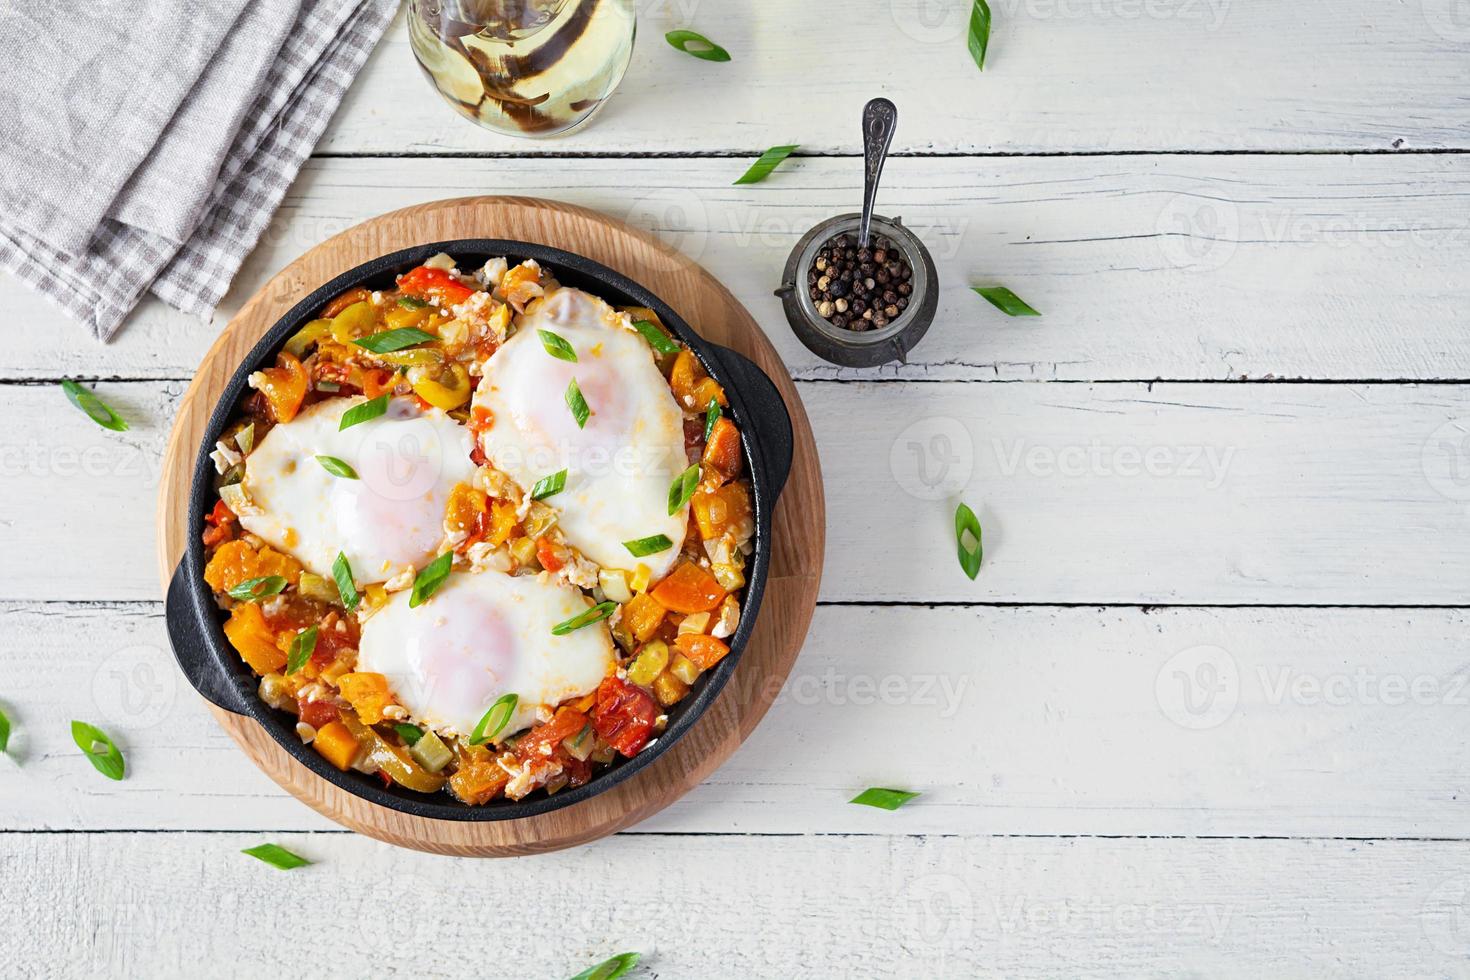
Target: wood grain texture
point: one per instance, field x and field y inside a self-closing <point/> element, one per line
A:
<point x="1061" y="76"/>
<point x="803" y="907"/>
<point x="797" y="531"/>
<point x="1009" y="720"/>
<point x="1122" y="493"/>
<point x="1193" y="268"/>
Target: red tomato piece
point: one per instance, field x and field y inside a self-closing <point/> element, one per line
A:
<point x="624" y="715"/>
<point x="319" y="714"/>
<point x="437" y="283"/>
<point x="541" y="742"/>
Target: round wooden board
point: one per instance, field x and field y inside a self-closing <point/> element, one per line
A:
<point x="799" y="527"/>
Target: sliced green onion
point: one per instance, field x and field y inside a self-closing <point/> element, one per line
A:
<point x="610" y="969"/>
<point x="366" y="412"/>
<point x="495" y="719"/>
<point x="255" y="589"/>
<point x="770" y="160"/>
<point x="651" y="545"/>
<point x="389" y="341"/>
<point x="703" y="47"/>
<point x="883" y="799"/>
<point x="979" y="32"/>
<point x="596" y="614"/>
<point x="683" y="489"/>
<point x="4" y="731"/>
<point x="409" y="733"/>
<point x="276" y="857"/>
<point x="428" y="581"/>
<point x="337" y="467"/>
<point x="301" y="649"/>
<point x="578" y="405"/>
<point x="557" y="346"/>
<point x="656" y="338"/>
<point x="97" y="410"/>
<point x="1006" y="301"/>
<point x="412" y="303"/>
<point x="549" y="486"/>
<point x="104" y="756"/>
<point x="966" y="523"/>
<point x="581" y="736"/>
<point x="346" y="588"/>
<point x="711" y="416"/>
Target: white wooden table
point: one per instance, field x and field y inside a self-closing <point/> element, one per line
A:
<point x="1203" y="711"/>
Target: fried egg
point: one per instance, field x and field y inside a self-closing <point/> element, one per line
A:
<point x="388" y="520"/>
<point x="484" y="635"/>
<point x="621" y="465"/>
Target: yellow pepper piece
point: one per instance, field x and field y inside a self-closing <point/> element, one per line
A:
<point x="447" y="391"/>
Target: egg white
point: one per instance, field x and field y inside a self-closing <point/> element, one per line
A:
<point x="484" y="635"/>
<point x="390" y="519"/>
<point x="621" y="465"/>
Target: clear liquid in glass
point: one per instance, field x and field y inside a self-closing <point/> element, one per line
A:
<point x="524" y="67"/>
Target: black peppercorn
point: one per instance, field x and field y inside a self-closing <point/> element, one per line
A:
<point x="904" y="289"/>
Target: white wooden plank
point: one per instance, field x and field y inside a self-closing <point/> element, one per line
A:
<point x="90" y="905"/>
<point x="1123" y="493"/>
<point x="1009" y="720"/>
<point x="1145" y="267"/>
<point x="1061" y="76"/>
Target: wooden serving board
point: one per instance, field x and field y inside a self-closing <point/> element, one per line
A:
<point x="798" y="530"/>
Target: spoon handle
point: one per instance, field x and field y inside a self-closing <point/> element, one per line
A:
<point x="880" y="119"/>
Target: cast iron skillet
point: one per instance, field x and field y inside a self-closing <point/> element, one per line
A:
<point x="217" y="672"/>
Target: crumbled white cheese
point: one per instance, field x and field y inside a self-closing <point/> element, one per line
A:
<point x="224" y="457"/>
<point x="401" y="581"/>
<point x="491" y="273"/>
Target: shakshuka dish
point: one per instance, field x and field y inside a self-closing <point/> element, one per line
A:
<point x="479" y="531"/>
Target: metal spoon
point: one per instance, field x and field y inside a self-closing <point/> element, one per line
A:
<point x="880" y="119"/>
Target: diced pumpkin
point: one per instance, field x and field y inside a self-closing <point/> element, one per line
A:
<point x="502" y="522"/>
<point x="464" y="508"/>
<point x="669" y="689"/>
<point x="688" y="589"/>
<point x="709" y="390"/>
<point x="479" y="777"/>
<point x="335" y="743"/>
<point x="704" y="651"/>
<point x="722" y="452"/>
<point x="284" y="387"/>
<point x="253" y="639"/>
<point x="727" y="509"/>
<point x="642" y="615"/>
<point x="368" y="694"/>
<point x="684" y="376"/>
<point x="236" y="562"/>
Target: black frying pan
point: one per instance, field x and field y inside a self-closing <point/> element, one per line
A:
<point x="216" y="670"/>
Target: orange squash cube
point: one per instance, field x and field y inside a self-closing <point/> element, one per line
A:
<point x="722" y="452"/>
<point x="704" y="651"/>
<point x="368" y="694"/>
<point x="642" y="614"/>
<point x="335" y="744"/>
<point x="689" y="589"/>
<point x="253" y="639"/>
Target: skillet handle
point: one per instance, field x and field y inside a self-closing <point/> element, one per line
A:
<point x="768" y="414"/>
<point x="191" y="649"/>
